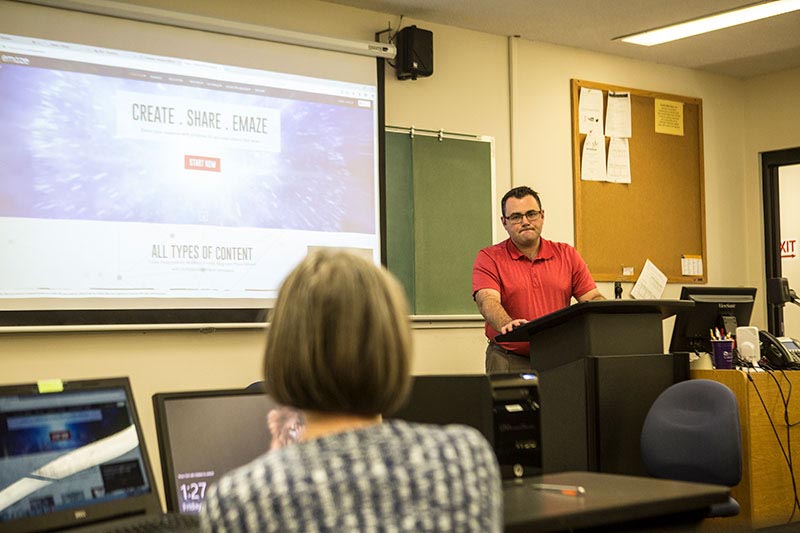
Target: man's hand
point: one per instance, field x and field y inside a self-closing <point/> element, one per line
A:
<point x="593" y="294"/>
<point x="513" y="324"/>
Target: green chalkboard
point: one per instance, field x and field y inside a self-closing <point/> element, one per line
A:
<point x="400" y="257"/>
<point x="439" y="194"/>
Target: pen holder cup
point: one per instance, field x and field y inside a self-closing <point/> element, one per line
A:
<point x="722" y="354"/>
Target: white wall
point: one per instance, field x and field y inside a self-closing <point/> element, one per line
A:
<point x="771" y="118"/>
<point x="468" y="93"/>
<point x="789" y="185"/>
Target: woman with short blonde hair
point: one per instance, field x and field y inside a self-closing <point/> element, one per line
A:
<point x="339" y="349"/>
<point x="339" y="339"/>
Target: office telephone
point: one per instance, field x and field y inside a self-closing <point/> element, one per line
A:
<point x="780" y="352"/>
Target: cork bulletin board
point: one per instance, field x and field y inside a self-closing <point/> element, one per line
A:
<point x="660" y="214"/>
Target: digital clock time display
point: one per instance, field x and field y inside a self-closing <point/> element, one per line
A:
<point x="191" y="496"/>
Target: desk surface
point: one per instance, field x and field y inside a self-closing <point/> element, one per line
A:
<point x="609" y="499"/>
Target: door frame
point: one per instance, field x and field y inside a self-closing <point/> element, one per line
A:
<point x="770" y="168"/>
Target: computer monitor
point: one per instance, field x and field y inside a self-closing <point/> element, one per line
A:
<point x="724" y="308"/>
<point x="503" y="407"/>
<point x="205" y="434"/>
<point x="450" y="399"/>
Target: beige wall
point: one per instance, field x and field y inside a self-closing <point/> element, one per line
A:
<point x="543" y="139"/>
<point x="468" y="93"/>
<point x="789" y="184"/>
<point x="772" y="117"/>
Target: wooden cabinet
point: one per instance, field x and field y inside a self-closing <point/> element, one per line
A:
<point x="766" y="493"/>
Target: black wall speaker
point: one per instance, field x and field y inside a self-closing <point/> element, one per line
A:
<point x="414" y="53"/>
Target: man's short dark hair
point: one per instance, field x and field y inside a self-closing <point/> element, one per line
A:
<point x="519" y="192"/>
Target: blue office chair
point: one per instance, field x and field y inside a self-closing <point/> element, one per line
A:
<point x="691" y="433"/>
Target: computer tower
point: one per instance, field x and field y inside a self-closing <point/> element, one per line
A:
<point x="503" y="407"/>
<point x="517" y="426"/>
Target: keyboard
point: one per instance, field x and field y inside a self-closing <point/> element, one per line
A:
<point x="163" y="523"/>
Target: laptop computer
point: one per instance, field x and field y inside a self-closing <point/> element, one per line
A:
<point x="75" y="458"/>
<point x="204" y="434"/>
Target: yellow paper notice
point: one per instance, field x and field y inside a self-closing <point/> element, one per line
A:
<point x="50" y="385"/>
<point x="669" y="117"/>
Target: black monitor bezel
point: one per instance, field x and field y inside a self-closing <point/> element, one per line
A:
<point x="736" y="295"/>
<point x="160" y="401"/>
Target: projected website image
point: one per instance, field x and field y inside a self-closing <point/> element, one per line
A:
<point x="80" y="146"/>
<point x="61" y="457"/>
<point x="133" y="181"/>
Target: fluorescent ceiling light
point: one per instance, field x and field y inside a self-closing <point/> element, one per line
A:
<point x="712" y="22"/>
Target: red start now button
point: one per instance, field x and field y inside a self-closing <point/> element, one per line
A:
<point x="198" y="162"/>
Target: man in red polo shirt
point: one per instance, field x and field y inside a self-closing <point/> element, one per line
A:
<point x="523" y="278"/>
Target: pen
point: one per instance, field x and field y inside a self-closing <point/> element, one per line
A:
<point x="567" y="490"/>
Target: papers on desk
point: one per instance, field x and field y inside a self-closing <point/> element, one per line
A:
<point x="651" y="283"/>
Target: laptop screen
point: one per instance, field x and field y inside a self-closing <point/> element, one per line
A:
<point x="204" y="434"/>
<point x="66" y="453"/>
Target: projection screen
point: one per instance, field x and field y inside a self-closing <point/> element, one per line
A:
<point x="150" y="167"/>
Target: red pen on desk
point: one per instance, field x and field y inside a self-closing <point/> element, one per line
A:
<point x="566" y="490"/>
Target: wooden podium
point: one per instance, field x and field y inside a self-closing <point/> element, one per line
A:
<point x="600" y="366"/>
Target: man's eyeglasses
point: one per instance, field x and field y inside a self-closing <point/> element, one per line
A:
<point x="516" y="218"/>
